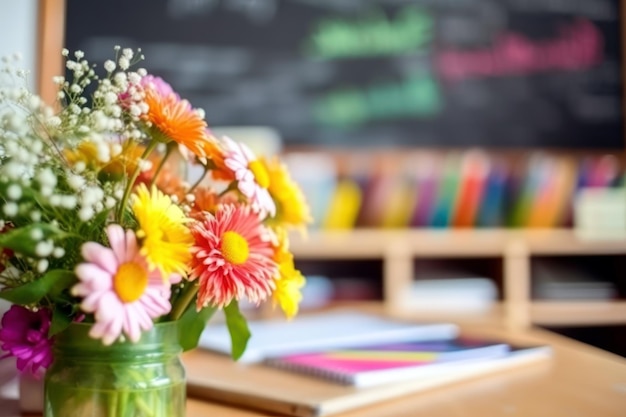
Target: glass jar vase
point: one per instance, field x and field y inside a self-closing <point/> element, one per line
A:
<point x="143" y="379"/>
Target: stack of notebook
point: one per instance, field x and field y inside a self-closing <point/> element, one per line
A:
<point x="332" y="362"/>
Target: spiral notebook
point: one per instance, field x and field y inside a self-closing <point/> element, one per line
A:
<point x="216" y="377"/>
<point x="379" y="364"/>
<point x="320" y="332"/>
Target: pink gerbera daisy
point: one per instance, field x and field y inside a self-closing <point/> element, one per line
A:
<point x="232" y="257"/>
<point x="119" y="289"/>
<point x="252" y="177"/>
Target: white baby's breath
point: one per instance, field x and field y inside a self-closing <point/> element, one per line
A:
<point x="44" y="248"/>
<point x="124" y="62"/>
<point x="42" y="265"/>
<point x="10" y="209"/>
<point x="53" y="121"/>
<point x="79" y="166"/>
<point x="76" y="182"/>
<point x="54" y="200"/>
<point x="85" y="214"/>
<point x="69" y="202"/>
<point x="109" y="202"/>
<point x="109" y="65"/>
<point x="14" y="192"/>
<point x="36" y="234"/>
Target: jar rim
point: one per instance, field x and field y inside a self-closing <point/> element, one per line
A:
<point x="161" y="339"/>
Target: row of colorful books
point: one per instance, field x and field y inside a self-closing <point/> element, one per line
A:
<point x="455" y="189"/>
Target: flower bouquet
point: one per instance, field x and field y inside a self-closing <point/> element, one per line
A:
<point x="124" y="225"/>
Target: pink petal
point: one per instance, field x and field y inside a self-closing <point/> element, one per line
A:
<point x="175" y="278"/>
<point x="154" y="303"/>
<point x="91" y="302"/>
<point x="101" y="256"/>
<point x="141" y="315"/>
<point x="131" y="246"/>
<point x="232" y="164"/>
<point x="117" y="241"/>
<point x="247" y="188"/>
<point x="109" y="307"/>
<point x="130" y="324"/>
<point x="113" y="330"/>
<point x="98" y="329"/>
<point x="265" y="200"/>
<point x="94" y="276"/>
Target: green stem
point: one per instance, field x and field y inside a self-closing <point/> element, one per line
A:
<point x="169" y="151"/>
<point x="207" y="167"/>
<point x="232" y="186"/>
<point x="195" y="184"/>
<point x="112" y="410"/>
<point x="122" y="405"/>
<point x="151" y="146"/>
<point x="141" y="405"/>
<point x="184" y="300"/>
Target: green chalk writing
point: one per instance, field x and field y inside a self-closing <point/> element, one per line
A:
<point x="350" y="107"/>
<point x="373" y="35"/>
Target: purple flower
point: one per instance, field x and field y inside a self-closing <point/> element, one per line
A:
<point x="24" y="334"/>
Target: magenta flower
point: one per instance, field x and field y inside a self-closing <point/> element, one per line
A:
<point x="24" y="334"/>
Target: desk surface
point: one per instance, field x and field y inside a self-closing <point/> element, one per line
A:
<point x="579" y="380"/>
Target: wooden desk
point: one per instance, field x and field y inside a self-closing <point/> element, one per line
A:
<point x="579" y="380"/>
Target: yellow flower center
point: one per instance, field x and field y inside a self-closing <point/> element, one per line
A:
<point x="260" y="173"/>
<point x="130" y="282"/>
<point x="235" y="248"/>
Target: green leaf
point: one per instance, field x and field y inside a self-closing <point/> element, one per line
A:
<point x="191" y="324"/>
<point x="24" y="239"/>
<point x="61" y="318"/>
<point x="238" y="329"/>
<point x="52" y="283"/>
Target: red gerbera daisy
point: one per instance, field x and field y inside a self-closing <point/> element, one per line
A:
<point x="232" y="257"/>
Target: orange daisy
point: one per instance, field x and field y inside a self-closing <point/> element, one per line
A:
<point x="206" y="200"/>
<point x="175" y="119"/>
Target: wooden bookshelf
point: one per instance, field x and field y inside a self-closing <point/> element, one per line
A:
<point x="399" y="249"/>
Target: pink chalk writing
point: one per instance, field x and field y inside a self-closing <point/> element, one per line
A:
<point x="578" y="46"/>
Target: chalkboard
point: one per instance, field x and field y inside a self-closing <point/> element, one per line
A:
<point x="359" y="73"/>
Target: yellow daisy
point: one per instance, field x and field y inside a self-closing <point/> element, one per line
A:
<point x="289" y="280"/>
<point x="122" y="164"/>
<point x="291" y="206"/>
<point x="166" y="240"/>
